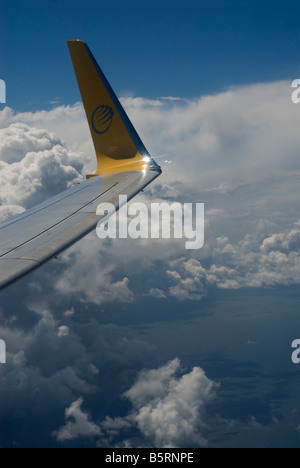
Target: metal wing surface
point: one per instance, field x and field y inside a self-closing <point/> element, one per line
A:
<point x="34" y="237"/>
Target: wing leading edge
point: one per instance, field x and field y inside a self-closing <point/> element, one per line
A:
<point x="124" y="167"/>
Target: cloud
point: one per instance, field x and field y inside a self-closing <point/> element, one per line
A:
<point x="241" y="135"/>
<point x="52" y="361"/>
<point x="34" y="165"/>
<point x="273" y="261"/>
<point x="67" y="122"/>
<point x="157" y="293"/>
<point x="168" y="409"/>
<point x="92" y="281"/>
<point x="43" y="363"/>
<point x="79" y="426"/>
<point x="187" y="286"/>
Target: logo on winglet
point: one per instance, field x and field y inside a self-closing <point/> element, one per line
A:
<point x="102" y="119"/>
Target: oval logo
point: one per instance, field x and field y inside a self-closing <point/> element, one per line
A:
<point x="102" y="119"/>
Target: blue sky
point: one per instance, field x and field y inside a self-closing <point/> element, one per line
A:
<point x="150" y="49"/>
<point x="210" y="329"/>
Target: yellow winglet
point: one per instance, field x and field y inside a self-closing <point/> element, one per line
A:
<point x="117" y="144"/>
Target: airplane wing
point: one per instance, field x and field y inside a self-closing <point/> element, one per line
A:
<point x="124" y="167"/>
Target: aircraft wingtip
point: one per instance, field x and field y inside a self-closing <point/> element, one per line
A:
<point x="76" y="41"/>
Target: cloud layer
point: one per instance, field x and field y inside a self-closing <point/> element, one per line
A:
<point x="243" y="134"/>
<point x="238" y="153"/>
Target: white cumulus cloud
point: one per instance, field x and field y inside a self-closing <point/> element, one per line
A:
<point x="273" y="261"/>
<point x="168" y="409"/>
<point x="34" y="165"/>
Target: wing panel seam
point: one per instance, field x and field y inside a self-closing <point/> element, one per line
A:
<point x="57" y="224"/>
